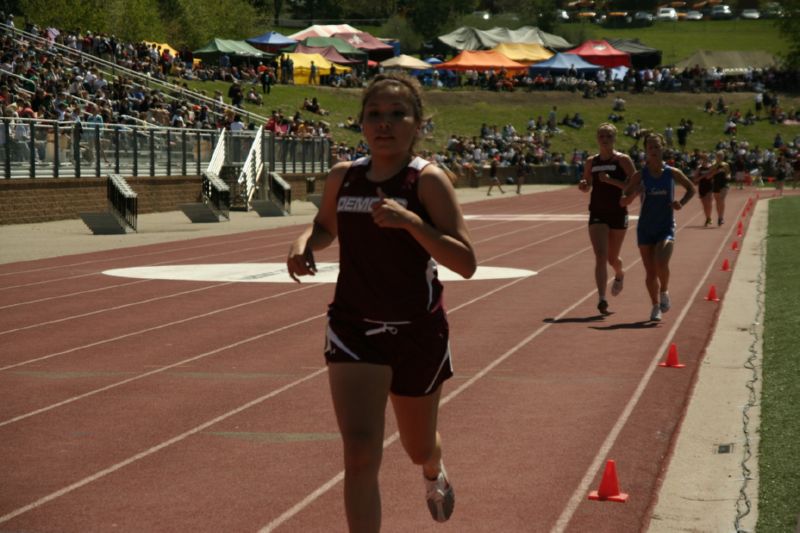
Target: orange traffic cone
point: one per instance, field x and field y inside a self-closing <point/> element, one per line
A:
<point x="712" y="294"/>
<point x="609" y="486"/>
<point x="672" y="358"/>
<point x="739" y="229"/>
<point x="735" y="246"/>
<point x="726" y="267"/>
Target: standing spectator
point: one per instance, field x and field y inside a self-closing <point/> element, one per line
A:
<point x="493" y="179"/>
<point x="236" y="94"/>
<point x="312" y="77"/>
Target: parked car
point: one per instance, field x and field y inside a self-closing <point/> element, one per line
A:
<point x="772" y="10"/>
<point x="644" y="16"/>
<point x="694" y="15"/>
<point x="667" y="13"/>
<point x="721" y="12"/>
<point x="750" y="14"/>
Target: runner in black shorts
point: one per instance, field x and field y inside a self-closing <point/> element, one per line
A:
<point x="718" y="176"/>
<point x="702" y="178"/>
<point x="395" y="215"/>
<point x="605" y="175"/>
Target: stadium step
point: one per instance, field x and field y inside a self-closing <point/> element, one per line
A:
<point x="200" y="213"/>
<point x="104" y="223"/>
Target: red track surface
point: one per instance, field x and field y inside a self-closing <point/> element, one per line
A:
<point x="142" y="405"/>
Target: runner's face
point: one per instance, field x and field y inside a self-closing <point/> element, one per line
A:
<point x="654" y="149"/>
<point x="605" y="138"/>
<point x="388" y="122"/>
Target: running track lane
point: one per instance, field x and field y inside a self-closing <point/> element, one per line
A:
<point x="196" y="406"/>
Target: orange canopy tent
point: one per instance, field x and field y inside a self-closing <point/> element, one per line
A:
<point x="480" y="60"/>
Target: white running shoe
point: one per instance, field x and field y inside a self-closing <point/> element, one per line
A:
<point x="440" y="496"/>
<point x="616" y="287"/>
<point x="666" y="303"/>
<point x="655" y="314"/>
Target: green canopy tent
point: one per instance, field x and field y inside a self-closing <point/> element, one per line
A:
<point x="236" y="50"/>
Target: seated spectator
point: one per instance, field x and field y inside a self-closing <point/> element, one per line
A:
<point x="253" y="97"/>
<point x="730" y="127"/>
<point x="619" y="104"/>
<point x="313" y="106"/>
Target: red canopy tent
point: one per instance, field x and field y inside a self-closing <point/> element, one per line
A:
<point x="480" y="60"/>
<point x="601" y="53"/>
<point x="374" y="47"/>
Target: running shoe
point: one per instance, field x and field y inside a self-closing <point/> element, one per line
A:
<point x="602" y="306"/>
<point x="440" y="496"/>
<point x="665" y="303"/>
<point x="708" y="222"/>
<point x="720" y="222"/>
<point x="616" y="287"/>
<point x="655" y="314"/>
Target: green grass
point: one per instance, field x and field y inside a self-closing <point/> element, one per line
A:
<point x="679" y="40"/>
<point x="463" y="111"/>
<point x="779" y="453"/>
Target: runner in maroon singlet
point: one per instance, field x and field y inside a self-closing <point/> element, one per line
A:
<point x="395" y="216"/>
<point x="605" y="175"/>
<point x="705" y="184"/>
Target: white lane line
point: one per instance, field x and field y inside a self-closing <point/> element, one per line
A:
<point x="311" y="497"/>
<point x="305" y="502"/>
<point x="155" y="328"/>
<point x="159" y="370"/>
<point x="177" y="248"/>
<point x="322" y="489"/>
<point x="156" y="448"/>
<point x="172" y="261"/>
<point x="583" y="487"/>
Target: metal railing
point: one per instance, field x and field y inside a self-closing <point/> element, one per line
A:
<point x="280" y="192"/>
<point x="250" y="175"/>
<point x="38" y="148"/>
<point x="123" y="202"/>
<point x="216" y="194"/>
<point x="35" y="148"/>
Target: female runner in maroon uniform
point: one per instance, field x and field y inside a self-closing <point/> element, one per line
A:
<point x="705" y="184"/>
<point x="605" y="175"/>
<point x="395" y="216"/>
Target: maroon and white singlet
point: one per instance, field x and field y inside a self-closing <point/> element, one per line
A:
<point x="384" y="273"/>
<point x="605" y="197"/>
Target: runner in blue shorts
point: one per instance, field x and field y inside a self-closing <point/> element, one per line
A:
<point x="655" y="230"/>
<point x="395" y="216"/>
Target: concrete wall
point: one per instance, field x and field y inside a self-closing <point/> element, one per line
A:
<point x="25" y="201"/>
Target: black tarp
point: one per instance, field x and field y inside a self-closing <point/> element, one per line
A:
<point x="642" y="56"/>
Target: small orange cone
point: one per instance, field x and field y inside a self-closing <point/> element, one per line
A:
<point x="735" y="246"/>
<point x="609" y="486"/>
<point x="739" y="229"/>
<point x="672" y="358"/>
<point x="712" y="294"/>
<point x="726" y="267"/>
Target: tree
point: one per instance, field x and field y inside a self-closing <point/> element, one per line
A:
<point x="789" y="26"/>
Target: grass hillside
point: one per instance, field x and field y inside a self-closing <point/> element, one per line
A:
<point x="679" y="40"/>
<point x="463" y="111"/>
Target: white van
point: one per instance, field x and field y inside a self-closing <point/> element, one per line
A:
<point x="666" y="13"/>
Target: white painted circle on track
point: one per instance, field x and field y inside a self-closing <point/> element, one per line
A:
<point x="277" y="273"/>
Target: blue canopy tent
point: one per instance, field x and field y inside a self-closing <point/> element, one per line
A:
<point x="271" y="41"/>
<point x="561" y="63"/>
